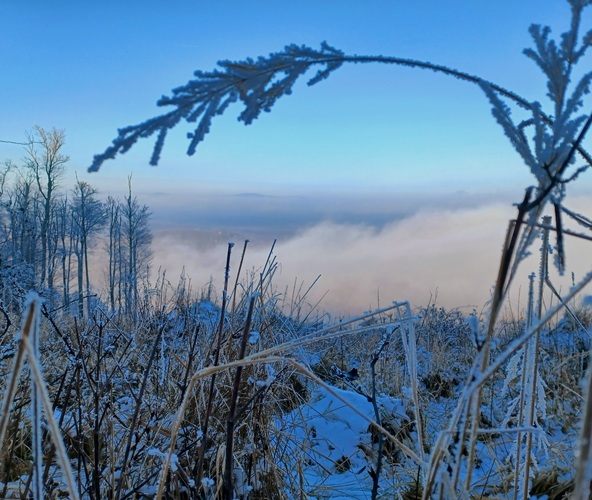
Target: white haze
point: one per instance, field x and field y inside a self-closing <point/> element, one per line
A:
<point x="445" y="254"/>
<point x="449" y="253"/>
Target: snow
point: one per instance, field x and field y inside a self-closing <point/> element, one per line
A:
<point x="336" y="441"/>
<point x="254" y="337"/>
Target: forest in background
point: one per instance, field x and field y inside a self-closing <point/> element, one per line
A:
<point x="50" y="231"/>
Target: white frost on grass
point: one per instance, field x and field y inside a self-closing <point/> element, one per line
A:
<point x="328" y="440"/>
<point x="254" y="337"/>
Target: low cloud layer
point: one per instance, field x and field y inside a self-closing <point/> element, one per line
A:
<point x="448" y="254"/>
<point x="453" y="253"/>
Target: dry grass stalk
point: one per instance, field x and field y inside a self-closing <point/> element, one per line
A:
<point x="477" y="380"/>
<point x="29" y="337"/>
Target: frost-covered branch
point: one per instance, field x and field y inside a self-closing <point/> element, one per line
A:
<point x="551" y="150"/>
<point x="550" y="153"/>
<point x="258" y="84"/>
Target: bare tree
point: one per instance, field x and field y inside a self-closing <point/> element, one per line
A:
<point x="137" y="238"/>
<point x="64" y="229"/>
<point x="4" y="170"/>
<point x="47" y="163"/>
<point x="17" y="234"/>
<point x="88" y="219"/>
<point x="115" y="252"/>
<point x="23" y="210"/>
<point x="20" y="231"/>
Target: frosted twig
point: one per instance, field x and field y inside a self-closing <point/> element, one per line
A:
<point x="258" y="84"/>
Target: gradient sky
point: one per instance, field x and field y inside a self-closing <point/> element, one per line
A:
<point x="371" y="145"/>
<point x="92" y="67"/>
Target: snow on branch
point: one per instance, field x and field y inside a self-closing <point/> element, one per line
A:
<point x="258" y="84"/>
<point x="550" y="152"/>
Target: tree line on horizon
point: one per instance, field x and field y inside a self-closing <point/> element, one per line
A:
<point x="49" y="234"/>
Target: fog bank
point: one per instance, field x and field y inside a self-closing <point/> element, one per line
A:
<point x="453" y="253"/>
<point x="433" y="253"/>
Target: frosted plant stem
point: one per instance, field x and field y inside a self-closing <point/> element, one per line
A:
<point x="29" y="324"/>
<point x="29" y="337"/>
<point x="378" y="471"/>
<point x="210" y="403"/>
<point x="582" y="490"/>
<point x="511" y="252"/>
<point x="265" y="277"/>
<point x="532" y="365"/>
<point x="231" y="419"/>
<point x="54" y="429"/>
<point x="531" y="413"/>
<point x="529" y="319"/>
<point x="408" y="336"/>
<point x="474" y="406"/>
<point x="36" y="415"/>
<point x="238" y="272"/>
<point x="461" y="432"/>
<point x="377" y="352"/>
<point x="474" y="401"/>
<point x="12" y="387"/>
<point x="518" y="440"/>
<point x="97" y="445"/>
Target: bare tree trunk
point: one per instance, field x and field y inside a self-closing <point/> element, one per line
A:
<point x="47" y="164"/>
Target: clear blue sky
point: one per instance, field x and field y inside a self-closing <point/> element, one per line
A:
<point x="92" y="67"/>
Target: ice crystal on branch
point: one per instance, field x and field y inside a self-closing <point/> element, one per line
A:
<point x="257" y="83"/>
<point x="555" y="146"/>
<point x="557" y="136"/>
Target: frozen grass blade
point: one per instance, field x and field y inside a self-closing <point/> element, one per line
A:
<point x="33" y="305"/>
<point x="202" y="449"/>
<point x="29" y="347"/>
<point x="57" y="440"/>
<point x="12" y="386"/>
<point x="231" y="419"/>
<point x="583" y="479"/>
<point x="409" y="342"/>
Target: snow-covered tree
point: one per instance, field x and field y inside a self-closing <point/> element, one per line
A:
<point x="136" y="240"/>
<point x="115" y="273"/>
<point x="47" y="163"/>
<point x="88" y="219"/>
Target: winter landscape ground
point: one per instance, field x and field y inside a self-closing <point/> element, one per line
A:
<point x="122" y="380"/>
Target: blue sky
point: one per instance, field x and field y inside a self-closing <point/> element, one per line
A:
<point x="393" y="179"/>
<point x="92" y="67"/>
